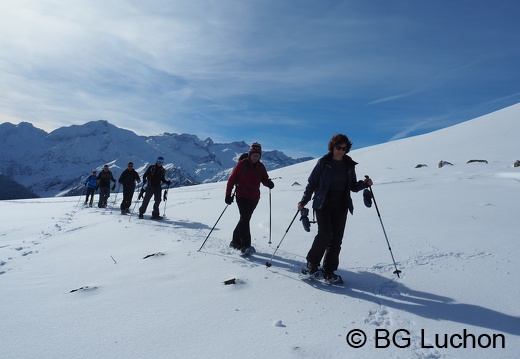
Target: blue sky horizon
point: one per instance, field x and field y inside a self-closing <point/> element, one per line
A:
<point x="288" y="74"/>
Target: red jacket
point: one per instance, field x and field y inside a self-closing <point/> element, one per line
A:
<point x="247" y="176"/>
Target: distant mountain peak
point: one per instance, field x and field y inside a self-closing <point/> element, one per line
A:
<point x="57" y="163"/>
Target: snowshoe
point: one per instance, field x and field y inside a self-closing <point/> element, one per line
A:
<point x="308" y="274"/>
<point x="235" y="245"/>
<point x="313" y="273"/>
<point x="246" y="252"/>
<point x="333" y="278"/>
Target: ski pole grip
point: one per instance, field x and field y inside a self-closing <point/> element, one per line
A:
<point x="367" y="178"/>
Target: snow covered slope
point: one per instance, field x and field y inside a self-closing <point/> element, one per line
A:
<point x="74" y="282"/>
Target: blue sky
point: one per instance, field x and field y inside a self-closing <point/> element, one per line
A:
<point x="286" y="73"/>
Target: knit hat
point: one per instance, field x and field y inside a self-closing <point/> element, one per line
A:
<point x="255" y="148"/>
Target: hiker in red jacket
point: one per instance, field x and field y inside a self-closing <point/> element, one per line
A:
<point x="247" y="176"/>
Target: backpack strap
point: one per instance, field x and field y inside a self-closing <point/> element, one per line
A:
<point x="244" y="169"/>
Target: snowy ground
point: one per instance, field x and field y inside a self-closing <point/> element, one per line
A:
<point x="74" y="284"/>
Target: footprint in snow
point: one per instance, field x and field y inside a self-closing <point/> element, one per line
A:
<point x="378" y="317"/>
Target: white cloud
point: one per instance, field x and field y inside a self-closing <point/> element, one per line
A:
<point x="186" y="65"/>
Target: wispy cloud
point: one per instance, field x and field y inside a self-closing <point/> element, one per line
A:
<point x="411" y="128"/>
<point x="225" y="67"/>
<point x="394" y="97"/>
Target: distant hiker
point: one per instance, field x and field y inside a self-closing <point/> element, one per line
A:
<point x="331" y="181"/>
<point x="247" y="176"/>
<point x="91" y="183"/>
<point x="104" y="179"/>
<point x="153" y="177"/>
<point x="128" y="180"/>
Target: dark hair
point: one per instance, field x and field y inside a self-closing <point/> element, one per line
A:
<point x="337" y="140"/>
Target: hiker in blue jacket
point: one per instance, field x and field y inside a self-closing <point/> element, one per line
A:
<point x="91" y="183"/>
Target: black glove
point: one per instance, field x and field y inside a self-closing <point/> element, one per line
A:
<point x="114" y="187"/>
<point x="270" y="184"/>
<point x="367" y="198"/>
<point x="229" y="199"/>
<point x="304" y="212"/>
<point x="168" y="182"/>
<point x="97" y="186"/>
<point x="141" y="194"/>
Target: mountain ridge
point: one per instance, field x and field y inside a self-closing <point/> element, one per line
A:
<point x="57" y="163"/>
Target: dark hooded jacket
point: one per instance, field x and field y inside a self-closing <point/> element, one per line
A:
<point x="154" y="175"/>
<point x="104" y="178"/>
<point x="321" y="178"/>
<point x="128" y="179"/>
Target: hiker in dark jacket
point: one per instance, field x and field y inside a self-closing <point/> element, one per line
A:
<point x="128" y="180"/>
<point x="247" y="176"/>
<point x="153" y="177"/>
<point x="91" y="183"/>
<point x="104" y="179"/>
<point x="331" y="181"/>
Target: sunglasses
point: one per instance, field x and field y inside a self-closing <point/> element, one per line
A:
<point x="339" y="148"/>
<point x="255" y="155"/>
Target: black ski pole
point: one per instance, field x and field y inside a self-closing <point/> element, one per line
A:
<point x="227" y="205"/>
<point x="141" y="194"/>
<point x="115" y="198"/>
<point x="397" y="271"/>
<point x="82" y="194"/>
<point x="268" y="263"/>
<point x="270" y="218"/>
<point x="165" y="199"/>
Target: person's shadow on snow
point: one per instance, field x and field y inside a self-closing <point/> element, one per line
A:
<point x="376" y="288"/>
<point x="381" y="290"/>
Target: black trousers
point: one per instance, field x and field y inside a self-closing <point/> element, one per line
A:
<point x="104" y="194"/>
<point x="90" y="193"/>
<point x="156" y="193"/>
<point x="242" y="232"/>
<point x="331" y="219"/>
<point x="128" y="193"/>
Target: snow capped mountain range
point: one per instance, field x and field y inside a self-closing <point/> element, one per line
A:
<point x="57" y="163"/>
